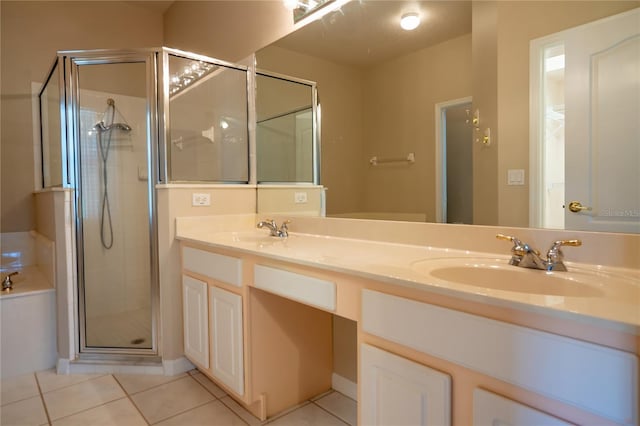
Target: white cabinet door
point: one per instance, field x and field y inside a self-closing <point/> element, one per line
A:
<point x="490" y="409"/>
<point x="396" y="391"/>
<point x="226" y="338"/>
<point x="195" y="320"/>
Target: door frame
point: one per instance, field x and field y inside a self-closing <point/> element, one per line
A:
<point x="536" y="143"/>
<point x="72" y="61"/>
<point x="441" y="156"/>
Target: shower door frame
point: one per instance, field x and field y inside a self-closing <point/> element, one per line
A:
<point x="72" y="61"/>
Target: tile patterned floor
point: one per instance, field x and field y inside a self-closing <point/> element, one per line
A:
<point x="45" y="398"/>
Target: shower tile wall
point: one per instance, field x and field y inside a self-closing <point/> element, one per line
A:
<point x="117" y="281"/>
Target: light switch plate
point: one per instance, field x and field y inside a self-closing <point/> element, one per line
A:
<point x="200" y="199"/>
<point x="515" y="177"/>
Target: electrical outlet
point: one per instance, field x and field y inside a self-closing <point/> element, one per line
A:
<point x="200" y="199"/>
<point x="300" y="197"/>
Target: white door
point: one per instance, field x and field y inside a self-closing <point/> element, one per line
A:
<point x="195" y="320"/>
<point x="490" y="409"/>
<point x="226" y="338"/>
<point x="602" y="113"/>
<point x="396" y="391"/>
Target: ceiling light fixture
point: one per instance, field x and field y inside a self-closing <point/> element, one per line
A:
<point x="410" y="21"/>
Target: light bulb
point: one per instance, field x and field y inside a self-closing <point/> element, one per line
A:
<point x="290" y="4"/>
<point x="410" y="21"/>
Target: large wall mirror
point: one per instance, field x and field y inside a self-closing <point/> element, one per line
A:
<point x="389" y="96"/>
<point x="286" y="122"/>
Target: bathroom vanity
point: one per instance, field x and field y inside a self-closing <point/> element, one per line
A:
<point x="433" y="347"/>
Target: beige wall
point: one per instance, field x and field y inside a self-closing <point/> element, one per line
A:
<point x="31" y="33"/>
<point x="485" y="98"/>
<point x="229" y="30"/>
<point x="399" y="118"/>
<point x="518" y="22"/>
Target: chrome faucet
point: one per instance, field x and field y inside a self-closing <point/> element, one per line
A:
<point x="7" y="284"/>
<point x="523" y="255"/>
<point x="283" y="232"/>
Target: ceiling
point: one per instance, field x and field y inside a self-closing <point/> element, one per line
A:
<point x="363" y="32"/>
<point x="158" y="6"/>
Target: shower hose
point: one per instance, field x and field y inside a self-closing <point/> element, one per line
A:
<point x="106" y="235"/>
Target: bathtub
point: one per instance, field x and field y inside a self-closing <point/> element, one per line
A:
<point x="28" y="311"/>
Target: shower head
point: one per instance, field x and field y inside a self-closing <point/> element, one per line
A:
<point x="115" y="126"/>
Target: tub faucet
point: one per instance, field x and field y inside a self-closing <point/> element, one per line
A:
<point x="523" y="255"/>
<point x="7" y="284"/>
<point x="283" y="232"/>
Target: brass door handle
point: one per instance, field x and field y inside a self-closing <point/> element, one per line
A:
<point x="576" y="206"/>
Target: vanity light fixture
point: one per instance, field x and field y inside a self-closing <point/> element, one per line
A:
<point x="189" y="75"/>
<point x="410" y="21"/>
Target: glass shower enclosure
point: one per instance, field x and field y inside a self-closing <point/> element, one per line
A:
<point x="114" y="124"/>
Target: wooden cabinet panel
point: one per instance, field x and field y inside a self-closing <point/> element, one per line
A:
<point x="226" y="338"/>
<point x="195" y="319"/>
<point x="396" y="391"/>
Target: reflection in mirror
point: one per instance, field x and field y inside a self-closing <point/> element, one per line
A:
<point x="303" y="8"/>
<point x="380" y="86"/>
<point x="50" y="131"/>
<point x="284" y="129"/>
<point x="208" y="122"/>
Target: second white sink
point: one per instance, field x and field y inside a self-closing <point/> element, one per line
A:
<point x="496" y="274"/>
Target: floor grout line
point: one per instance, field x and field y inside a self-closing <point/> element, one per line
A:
<point x="333" y="414"/>
<point x="234" y="411"/>
<point x="128" y="396"/>
<point x="97" y="376"/>
<point x="44" y="404"/>
<point x="174" y="379"/>
<point x="287" y="412"/>
<point x="205" y="388"/>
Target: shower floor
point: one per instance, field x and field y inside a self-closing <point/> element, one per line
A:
<point x="130" y="329"/>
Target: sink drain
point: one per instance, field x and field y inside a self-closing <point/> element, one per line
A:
<point x="137" y="341"/>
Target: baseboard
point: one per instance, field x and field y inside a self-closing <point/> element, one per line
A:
<point x="176" y="366"/>
<point x="167" y="368"/>
<point x="344" y="386"/>
<point x="62" y="366"/>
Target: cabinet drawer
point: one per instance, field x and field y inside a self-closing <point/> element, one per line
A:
<point x="302" y="288"/>
<point x="594" y="378"/>
<point x="219" y="267"/>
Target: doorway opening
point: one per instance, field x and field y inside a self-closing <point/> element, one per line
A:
<point x="454" y="162"/>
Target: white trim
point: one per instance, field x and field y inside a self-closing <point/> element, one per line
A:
<point x="344" y="386"/>
<point x="37" y="148"/>
<point x="536" y="145"/>
<point x="174" y="367"/>
<point x="440" y="156"/>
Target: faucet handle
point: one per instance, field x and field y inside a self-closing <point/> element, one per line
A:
<point x="284" y="228"/>
<point x="518" y="246"/>
<point x="7" y="284"/>
<point x="514" y="240"/>
<point x="554" y="252"/>
<point x="572" y="243"/>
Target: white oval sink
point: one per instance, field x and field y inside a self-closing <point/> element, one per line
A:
<point x="497" y="274"/>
